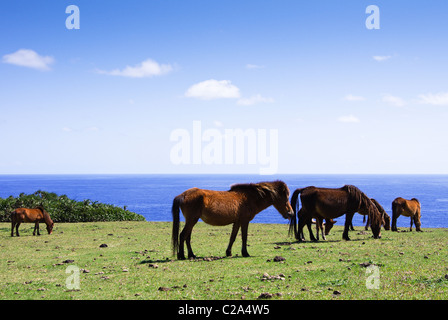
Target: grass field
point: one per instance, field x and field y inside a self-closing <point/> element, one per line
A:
<point x="137" y="264"/>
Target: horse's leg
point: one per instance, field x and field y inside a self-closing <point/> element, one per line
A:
<point x="351" y="227"/>
<point x="410" y="228"/>
<point x="318" y="223"/>
<point x="395" y="215"/>
<point x="244" y="227"/>
<point x="299" y="235"/>
<point x="367" y="223"/>
<point x="185" y="235"/>
<point x="17" y="229"/>
<point x="310" y="230"/>
<point x="13" y="224"/>
<point x="235" y="228"/>
<point x="180" y="253"/>
<point x="417" y="221"/>
<point x="321" y="227"/>
<point x="190" y="251"/>
<point x="394" y="222"/>
<point x="38" y="233"/>
<point x="36" y="227"/>
<point x="348" y="221"/>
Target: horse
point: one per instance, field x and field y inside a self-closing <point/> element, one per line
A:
<point x="408" y="208"/>
<point x="329" y="223"/>
<point x="237" y="206"/>
<point x="384" y="216"/>
<point x="326" y="203"/>
<point x="35" y="215"/>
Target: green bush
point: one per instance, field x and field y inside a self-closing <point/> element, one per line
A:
<point x="63" y="209"/>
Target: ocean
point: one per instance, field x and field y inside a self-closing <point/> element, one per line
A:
<point x="152" y="195"/>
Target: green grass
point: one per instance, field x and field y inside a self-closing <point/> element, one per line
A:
<point x="137" y="262"/>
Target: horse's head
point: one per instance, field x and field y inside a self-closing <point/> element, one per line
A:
<point x="386" y="221"/>
<point x="50" y="227"/>
<point x="376" y="219"/>
<point x="328" y="225"/>
<point x="281" y="200"/>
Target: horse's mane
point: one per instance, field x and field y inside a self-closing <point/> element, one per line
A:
<point x="263" y="189"/>
<point x="379" y="207"/>
<point x="45" y="213"/>
<point x="355" y="197"/>
<point x="359" y="199"/>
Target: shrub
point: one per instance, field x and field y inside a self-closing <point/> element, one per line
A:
<point x="63" y="209"/>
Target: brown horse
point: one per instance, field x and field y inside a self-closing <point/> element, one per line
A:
<point x="329" y="223"/>
<point x="35" y="215"/>
<point x="408" y="208"/>
<point x="326" y="203"/>
<point x="239" y="205"/>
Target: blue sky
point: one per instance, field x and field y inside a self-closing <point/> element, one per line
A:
<point x="106" y="98"/>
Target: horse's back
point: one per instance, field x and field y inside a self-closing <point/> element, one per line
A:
<point x="213" y="207"/>
<point x="327" y="202"/>
<point x="28" y="215"/>
<point x="405" y="207"/>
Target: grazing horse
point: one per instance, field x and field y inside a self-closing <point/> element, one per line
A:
<point x="385" y="222"/>
<point x="326" y="203"/>
<point x="329" y="223"/>
<point x="408" y="208"/>
<point x="239" y="205"/>
<point x="35" y="215"/>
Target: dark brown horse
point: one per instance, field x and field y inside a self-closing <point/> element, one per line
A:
<point x="408" y="208"/>
<point x="384" y="216"/>
<point x="35" y="215"/>
<point x="239" y="205"/>
<point x="326" y="203"/>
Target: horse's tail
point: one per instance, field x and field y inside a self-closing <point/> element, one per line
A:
<point x="175" y="212"/>
<point x="13" y="216"/>
<point x="293" y="221"/>
<point x="394" y="208"/>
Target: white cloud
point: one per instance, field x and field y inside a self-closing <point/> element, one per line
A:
<point x="92" y="129"/>
<point x="254" y="100"/>
<point x="147" y="68"/>
<point x="381" y="58"/>
<point x="393" y="100"/>
<point x="29" y="58"/>
<point x="438" y="99"/>
<point x="348" y="119"/>
<point x="351" y="97"/>
<point x="253" y="66"/>
<point x="213" y="89"/>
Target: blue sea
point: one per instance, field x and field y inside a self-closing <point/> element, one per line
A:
<point x="152" y="195"/>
